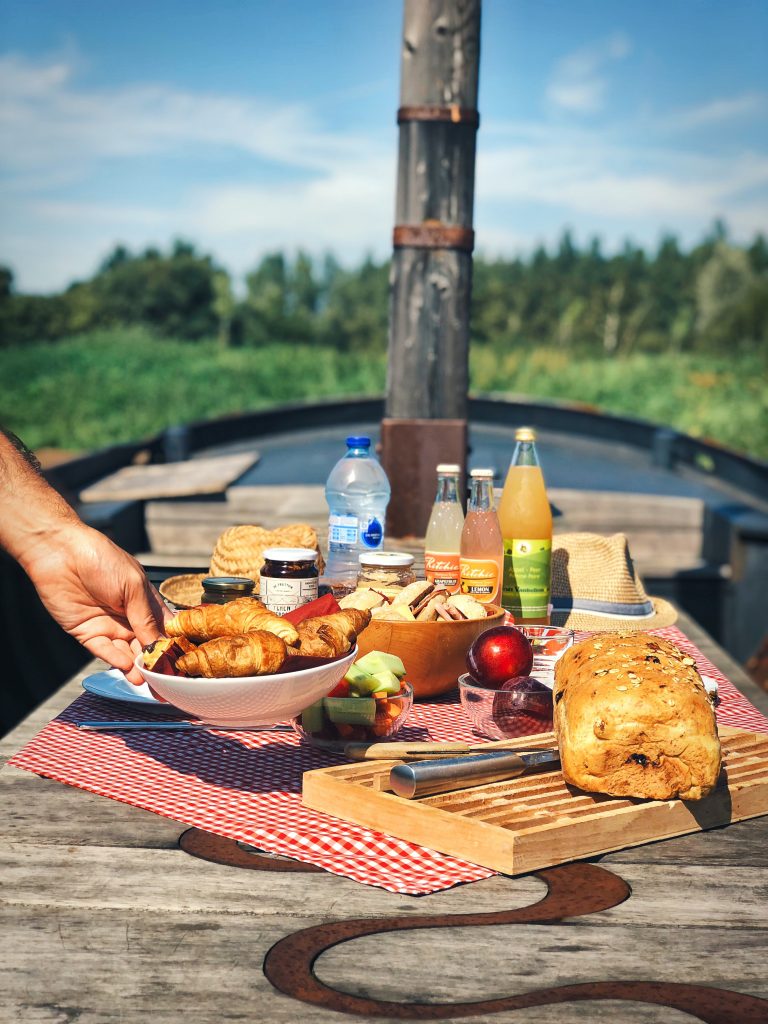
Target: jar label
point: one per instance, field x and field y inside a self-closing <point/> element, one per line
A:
<point x="371" y="533"/>
<point x="441" y="568"/>
<point x="342" y="529"/>
<point x="480" y="578"/>
<point x="282" y="596"/>
<point x="527" y="568"/>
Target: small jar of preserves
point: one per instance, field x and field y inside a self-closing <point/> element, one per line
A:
<point x="221" y="589"/>
<point x="385" y="569"/>
<point x="289" y="578"/>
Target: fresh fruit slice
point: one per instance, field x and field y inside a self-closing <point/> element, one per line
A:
<point x="356" y="674"/>
<point x="342" y="689"/>
<point x="380" y="661"/>
<point x="387" y="681"/>
<point x="350" y="710"/>
<point x="313" y="717"/>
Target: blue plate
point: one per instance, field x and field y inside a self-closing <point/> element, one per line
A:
<point x="113" y="685"/>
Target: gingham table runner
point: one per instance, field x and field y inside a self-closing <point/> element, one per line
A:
<point x="247" y="786"/>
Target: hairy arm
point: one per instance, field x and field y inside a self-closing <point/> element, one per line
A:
<point x="92" y="588"/>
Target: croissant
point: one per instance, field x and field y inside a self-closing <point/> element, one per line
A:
<point x="329" y="636"/>
<point x="208" y="621"/>
<point x="247" y="654"/>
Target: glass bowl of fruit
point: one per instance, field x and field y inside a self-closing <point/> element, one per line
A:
<point x="501" y="694"/>
<point x="371" y="703"/>
<point x="521" y="706"/>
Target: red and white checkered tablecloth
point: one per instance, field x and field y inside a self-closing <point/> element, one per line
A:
<point x="247" y="786"/>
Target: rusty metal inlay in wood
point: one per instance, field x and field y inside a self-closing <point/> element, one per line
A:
<point x="573" y="890"/>
<point x="453" y="114"/>
<point x="219" y="850"/>
<point x="433" y="236"/>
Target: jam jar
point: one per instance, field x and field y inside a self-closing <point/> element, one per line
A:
<point x="385" y="569"/>
<point x="221" y="589"/>
<point x="289" y="578"/>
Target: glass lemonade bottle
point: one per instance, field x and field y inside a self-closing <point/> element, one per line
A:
<point x="481" y="561"/>
<point x="442" y="543"/>
<point x="526" y="525"/>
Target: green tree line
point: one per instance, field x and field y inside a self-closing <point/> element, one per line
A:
<point x="710" y="298"/>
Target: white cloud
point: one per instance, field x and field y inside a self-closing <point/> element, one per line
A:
<point x="578" y="84"/>
<point x="324" y="189"/>
<point x="719" y="111"/>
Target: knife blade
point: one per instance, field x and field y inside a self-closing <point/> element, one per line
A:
<point x="424" y="778"/>
<point x="425" y="750"/>
<point x="99" y="726"/>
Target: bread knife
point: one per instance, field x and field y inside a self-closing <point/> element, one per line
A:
<point x="424" y="778"/>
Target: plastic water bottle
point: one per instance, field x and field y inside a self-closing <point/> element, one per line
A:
<point x="357" y="492"/>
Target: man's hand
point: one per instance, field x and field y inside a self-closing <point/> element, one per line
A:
<point x="97" y="592"/>
<point x="91" y="587"/>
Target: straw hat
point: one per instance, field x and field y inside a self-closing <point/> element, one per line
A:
<point x="595" y="586"/>
<point x="239" y="551"/>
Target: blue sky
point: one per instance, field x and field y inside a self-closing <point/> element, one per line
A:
<point x="258" y="125"/>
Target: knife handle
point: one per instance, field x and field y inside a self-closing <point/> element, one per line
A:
<point x="424" y="778"/>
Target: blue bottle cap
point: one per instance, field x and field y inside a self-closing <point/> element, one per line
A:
<point x="358" y="442"/>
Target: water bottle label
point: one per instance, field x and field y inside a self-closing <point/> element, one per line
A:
<point x="342" y="529"/>
<point x="371" y="533"/>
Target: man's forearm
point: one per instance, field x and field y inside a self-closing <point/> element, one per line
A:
<point x="30" y="509"/>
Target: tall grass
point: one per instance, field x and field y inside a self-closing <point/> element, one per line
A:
<point x="114" y="386"/>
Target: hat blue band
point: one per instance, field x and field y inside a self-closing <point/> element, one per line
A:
<point x="576" y="604"/>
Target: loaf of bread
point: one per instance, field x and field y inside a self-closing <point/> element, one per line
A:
<point x="633" y="718"/>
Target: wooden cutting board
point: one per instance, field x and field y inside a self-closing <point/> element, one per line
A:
<point x="537" y="821"/>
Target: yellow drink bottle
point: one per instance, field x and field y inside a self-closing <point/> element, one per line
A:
<point x="526" y="526"/>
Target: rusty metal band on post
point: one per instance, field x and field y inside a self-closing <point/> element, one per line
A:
<point x="454" y="114"/>
<point x="433" y="236"/>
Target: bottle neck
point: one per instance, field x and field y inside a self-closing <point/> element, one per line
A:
<point x="481" y="495"/>
<point x="358" y="452"/>
<point x="447" y="488"/>
<point x="525" y="454"/>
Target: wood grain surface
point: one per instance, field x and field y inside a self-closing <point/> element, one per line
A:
<point x="171" y="479"/>
<point x="104" y="919"/>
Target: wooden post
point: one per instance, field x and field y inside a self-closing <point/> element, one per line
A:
<point x="426" y="410"/>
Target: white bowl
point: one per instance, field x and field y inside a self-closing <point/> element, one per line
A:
<point x="248" y="700"/>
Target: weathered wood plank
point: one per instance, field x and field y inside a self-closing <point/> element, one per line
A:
<point x="132" y="966"/>
<point x="171" y="479"/>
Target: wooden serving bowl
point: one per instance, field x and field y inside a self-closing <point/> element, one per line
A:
<point x="434" y="653"/>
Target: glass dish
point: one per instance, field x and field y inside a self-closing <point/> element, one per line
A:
<point x="549" y="644"/>
<point x="504" y="714"/>
<point x="369" y="719"/>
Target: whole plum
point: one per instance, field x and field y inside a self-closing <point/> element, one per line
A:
<point x="498" y="654"/>
<point x="523" y="707"/>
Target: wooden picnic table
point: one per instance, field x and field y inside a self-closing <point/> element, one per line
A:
<point x="105" y="919"/>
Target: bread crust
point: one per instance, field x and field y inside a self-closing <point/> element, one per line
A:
<point x="633" y="718"/>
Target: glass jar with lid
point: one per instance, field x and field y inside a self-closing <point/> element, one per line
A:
<point x="222" y="589"/>
<point x="385" y="569"/>
<point x="289" y="578"/>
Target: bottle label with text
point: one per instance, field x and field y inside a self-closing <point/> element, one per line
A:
<point x="284" y="595"/>
<point x="442" y="569"/>
<point x="342" y="529"/>
<point x="527" y="569"/>
<point x="480" y="578"/>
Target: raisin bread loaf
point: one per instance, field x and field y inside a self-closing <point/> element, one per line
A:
<point x="633" y="718"/>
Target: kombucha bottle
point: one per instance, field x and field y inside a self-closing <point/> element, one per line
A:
<point x="526" y="525"/>
<point x="481" y="562"/>
<point x="443" y="540"/>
